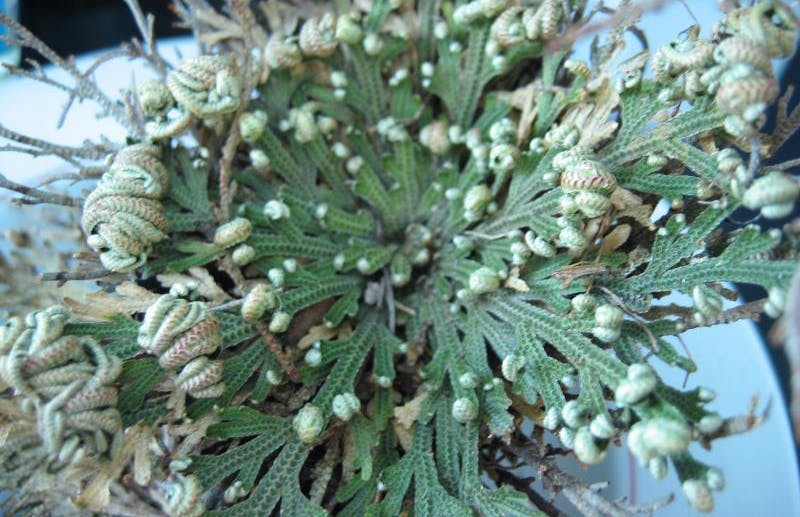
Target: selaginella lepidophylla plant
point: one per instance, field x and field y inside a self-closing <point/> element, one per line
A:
<point x="368" y="260"/>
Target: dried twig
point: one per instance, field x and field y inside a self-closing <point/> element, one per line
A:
<point x="84" y="87"/>
<point x="63" y="277"/>
<point x="581" y="30"/>
<point x="786" y="122"/>
<point x="38" y="147"/>
<point x="583" y="497"/>
<point x="85" y="173"/>
<point x="34" y="196"/>
<point x="145" y="25"/>
<point x="746" y="311"/>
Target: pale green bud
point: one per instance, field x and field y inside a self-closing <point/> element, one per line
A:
<point x="354" y="164"/>
<point x="572" y="238"/>
<point x="252" y="125"/>
<point x="308" y="423"/>
<point x="608" y="319"/>
<point x="464" y="410"/>
<point x="290" y="265"/>
<point x="373" y="44"/>
<point x="274" y="377"/>
<point x="710" y="423"/>
<point x="260" y="299"/>
<point x="280" y="322"/>
<point x="243" y="255"/>
<point x="277" y="276"/>
<point x="698" y="494"/>
<point x="715" y="479"/>
<point x="345" y="405"/>
<point x="276" y="209"/>
<point x="383" y="381"/>
<point x="707" y="303"/>
<point x="503" y="157"/>
<point x="340" y="150"/>
<point x="484" y="280"/>
<point x="666" y="436"/>
<point x="586" y="448"/>
<point x="232" y="233"/>
<point x="658" y="467"/>
<point x="776" y="301"/>
<point x="552" y="417"/>
<point x="640" y="382"/>
<point x="477" y="197"/>
<point x="567" y="437"/>
<point x="305" y="127"/>
<point x="468" y="380"/>
<point x="234" y="492"/>
<point x="462" y="242"/>
<point x="511" y="366"/>
<point x="260" y="160"/>
<point x="313" y="357"/>
<point x="602" y="427"/>
<point x="583" y="303"/>
<point x="348" y="29"/>
<point x="573" y="414"/>
<point x="338" y="79"/>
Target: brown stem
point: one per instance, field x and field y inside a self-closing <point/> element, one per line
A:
<point x="583" y="497"/>
<point x="746" y="311"/>
<point x="276" y="349"/>
<point x="63" y="277"/>
<point x="35" y="196"/>
<point x="501" y="476"/>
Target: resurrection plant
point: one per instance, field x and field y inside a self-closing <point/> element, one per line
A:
<point x="397" y="257"/>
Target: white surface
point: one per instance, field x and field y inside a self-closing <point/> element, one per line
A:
<point x="760" y="466"/>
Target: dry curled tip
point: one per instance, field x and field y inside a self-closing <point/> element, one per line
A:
<point x="123" y="217"/>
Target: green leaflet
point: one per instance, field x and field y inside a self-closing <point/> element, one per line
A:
<point x="748" y="243"/>
<point x="234" y="329"/>
<point x="677" y="246"/>
<point x="370" y="86"/>
<point x="137" y="379"/>
<point x="307" y="295"/>
<point x="236" y="422"/>
<point x="245" y="459"/>
<point x="328" y="165"/>
<point x="189" y="188"/>
<point x="281" y="481"/>
<point x="502" y="502"/>
<point x="430" y="497"/>
<point x="346" y="305"/>
<point x="403" y="169"/>
<point x="542" y="370"/>
<point x="365" y="438"/>
<point x="448" y="439"/>
<point x="578" y="350"/>
<point x="284" y="163"/>
<point x="496" y="404"/>
<point x="702" y="117"/>
<point x="548" y="111"/>
<point x="276" y="245"/>
<point x="405" y="103"/>
<point x="118" y="335"/>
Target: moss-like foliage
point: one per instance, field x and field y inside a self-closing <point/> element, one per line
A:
<point x="403" y="244"/>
